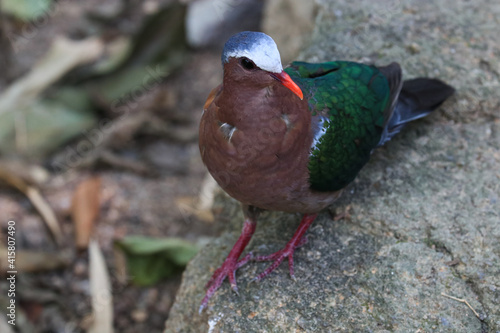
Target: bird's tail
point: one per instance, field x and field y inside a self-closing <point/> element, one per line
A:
<point x="418" y="98"/>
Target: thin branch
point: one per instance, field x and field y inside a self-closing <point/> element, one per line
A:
<point x="462" y="301"/>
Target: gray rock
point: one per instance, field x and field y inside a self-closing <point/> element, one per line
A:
<point x="290" y="23"/>
<point x="457" y="41"/>
<point x="425" y="212"/>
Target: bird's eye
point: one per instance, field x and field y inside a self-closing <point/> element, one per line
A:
<point x="247" y="63"/>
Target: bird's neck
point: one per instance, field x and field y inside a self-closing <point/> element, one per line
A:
<point x="270" y="118"/>
<point x="249" y="106"/>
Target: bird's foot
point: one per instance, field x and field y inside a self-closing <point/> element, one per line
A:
<point x="277" y="258"/>
<point x="231" y="264"/>
<point x="227" y="269"/>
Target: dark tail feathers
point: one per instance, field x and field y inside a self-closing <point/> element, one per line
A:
<point x="417" y="98"/>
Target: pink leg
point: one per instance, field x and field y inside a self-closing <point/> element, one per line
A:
<point x="231" y="264"/>
<point x="297" y="240"/>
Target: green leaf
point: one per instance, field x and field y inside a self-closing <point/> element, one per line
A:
<point x="150" y="260"/>
<point x="129" y="83"/>
<point x="26" y="10"/>
<point x="118" y="51"/>
<point x="46" y="124"/>
<point x="33" y="125"/>
<point x="158" y="48"/>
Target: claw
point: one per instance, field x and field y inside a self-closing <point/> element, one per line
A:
<point x="228" y="269"/>
<point x="254" y="280"/>
<point x="234" y="287"/>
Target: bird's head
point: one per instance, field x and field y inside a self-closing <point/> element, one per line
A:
<point x="252" y="58"/>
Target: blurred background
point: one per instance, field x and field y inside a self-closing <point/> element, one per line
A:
<point x="101" y="183"/>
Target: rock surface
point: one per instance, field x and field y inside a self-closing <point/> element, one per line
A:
<point x="298" y="16"/>
<point x="424" y="213"/>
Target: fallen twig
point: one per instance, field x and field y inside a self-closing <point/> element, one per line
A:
<point x="36" y="198"/>
<point x="462" y="301"/>
<point x="46" y="212"/>
<point x="100" y="291"/>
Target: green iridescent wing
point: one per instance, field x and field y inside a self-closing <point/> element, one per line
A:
<point x="350" y="104"/>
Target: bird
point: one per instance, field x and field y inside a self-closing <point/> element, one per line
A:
<point x="292" y="139"/>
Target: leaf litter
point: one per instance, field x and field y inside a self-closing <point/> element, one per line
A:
<point x="89" y="111"/>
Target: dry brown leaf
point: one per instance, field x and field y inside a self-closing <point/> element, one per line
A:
<point x="201" y="207"/>
<point x="31" y="173"/>
<point x="100" y="290"/>
<point x="85" y="209"/>
<point x="188" y="206"/>
<point x="35" y="261"/>
<point x="18" y="181"/>
<point x="46" y="212"/>
<point x="11" y="177"/>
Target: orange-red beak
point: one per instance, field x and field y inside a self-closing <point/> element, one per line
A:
<point x="287" y="81"/>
